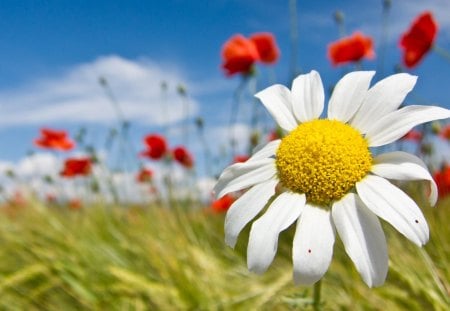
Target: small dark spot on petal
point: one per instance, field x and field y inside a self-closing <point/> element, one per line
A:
<point x="416" y="221"/>
<point x="309" y="251"/>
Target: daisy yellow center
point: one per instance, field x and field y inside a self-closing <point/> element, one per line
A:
<point x="323" y="159"/>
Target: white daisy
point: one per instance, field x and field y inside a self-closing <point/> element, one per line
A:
<point x="330" y="180"/>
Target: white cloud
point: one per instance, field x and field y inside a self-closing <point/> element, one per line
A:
<point x="76" y="95"/>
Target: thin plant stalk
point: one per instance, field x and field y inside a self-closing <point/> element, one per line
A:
<point x="441" y="52"/>
<point x="294" y="38"/>
<point x="124" y="125"/>
<point x="185" y="102"/>
<point x="237" y="99"/>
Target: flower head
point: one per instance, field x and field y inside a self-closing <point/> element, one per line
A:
<point x="413" y="135"/>
<point x="266" y="46"/>
<point x="418" y="39"/>
<point x="182" y="156"/>
<point x="239" y="53"/>
<point x="444" y="132"/>
<point x="350" y="49"/>
<point x="331" y="182"/>
<point x="240" y="158"/>
<point x="76" y="167"/>
<point x="222" y="204"/>
<point x="156" y="147"/>
<point x="144" y="175"/>
<point x="442" y="179"/>
<point x="54" y="139"/>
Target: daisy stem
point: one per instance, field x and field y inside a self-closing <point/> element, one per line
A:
<point x="316" y="295"/>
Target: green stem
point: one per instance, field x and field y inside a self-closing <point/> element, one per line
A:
<point x="316" y="296"/>
<point x="294" y="37"/>
<point x="433" y="271"/>
<point x="442" y="52"/>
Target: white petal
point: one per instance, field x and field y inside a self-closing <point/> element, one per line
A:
<point x="267" y="151"/>
<point x="393" y="205"/>
<point x="396" y="124"/>
<point x="404" y="166"/>
<point x="313" y="245"/>
<point x="246" y="208"/>
<point x="384" y="97"/>
<point x="243" y="175"/>
<point x="278" y="101"/>
<point x="307" y="96"/>
<point x="348" y="95"/>
<point x="363" y="238"/>
<point x="263" y="240"/>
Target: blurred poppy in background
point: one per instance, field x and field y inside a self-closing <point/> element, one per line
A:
<point x="223" y="204"/>
<point x="54" y="139"/>
<point x="182" y="156"/>
<point x="240" y="158"/>
<point x="144" y="175"/>
<point x="266" y="46"/>
<point x="76" y="167"/>
<point x="351" y="49"/>
<point x="418" y="39"/>
<point x="239" y="53"/>
<point x="442" y="179"/>
<point x="445" y="132"/>
<point x="156" y="147"/>
<point x="413" y="135"/>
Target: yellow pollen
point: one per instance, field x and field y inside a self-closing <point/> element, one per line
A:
<point x="323" y="159"/>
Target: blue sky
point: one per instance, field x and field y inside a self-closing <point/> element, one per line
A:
<point x="53" y="53"/>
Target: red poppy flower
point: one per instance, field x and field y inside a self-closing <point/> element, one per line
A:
<point x="144" y="175"/>
<point x="275" y="134"/>
<point x="240" y="158"/>
<point x="418" y="40"/>
<point x="156" y="146"/>
<point x="75" y="204"/>
<point x="350" y="49"/>
<point x="413" y="135"/>
<point x="238" y="55"/>
<point x="54" y="139"/>
<point x="76" y="167"/>
<point x="182" y="156"/>
<point x="442" y="179"/>
<point x="445" y="132"/>
<point x="223" y="204"/>
<point x="267" y="48"/>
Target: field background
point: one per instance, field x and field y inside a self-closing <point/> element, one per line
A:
<point x="154" y="258"/>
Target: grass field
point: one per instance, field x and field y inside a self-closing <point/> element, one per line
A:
<point x="154" y="258"/>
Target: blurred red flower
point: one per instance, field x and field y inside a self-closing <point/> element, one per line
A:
<point x="240" y="158"/>
<point x="275" y="134"/>
<point x="75" y="204"/>
<point x="266" y="46"/>
<point x="240" y="53"/>
<point x="418" y="39"/>
<point x="223" y="204"/>
<point x="144" y="175"/>
<point x="76" y="167"/>
<point x="413" y="135"/>
<point x="156" y="146"/>
<point x="445" y="132"/>
<point x="182" y="156"/>
<point x="442" y="179"/>
<point x="54" y="139"/>
<point x="350" y="49"/>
